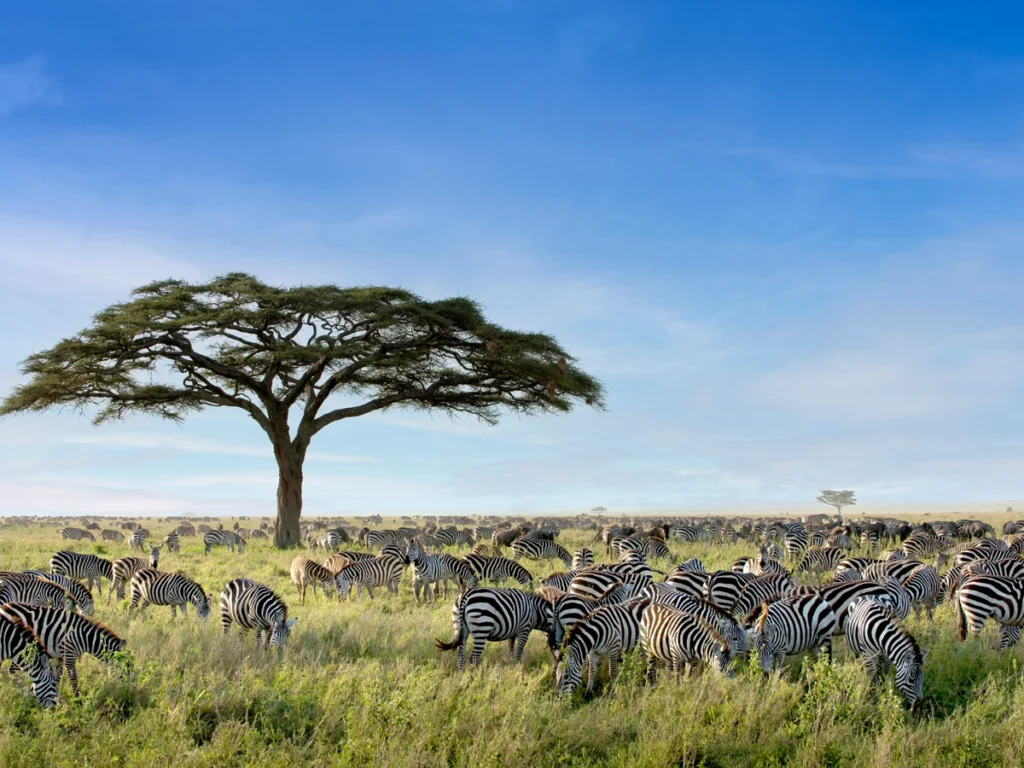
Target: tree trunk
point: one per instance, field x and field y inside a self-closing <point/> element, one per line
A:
<point x="289" y="495"/>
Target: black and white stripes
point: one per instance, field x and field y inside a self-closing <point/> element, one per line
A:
<point x="252" y="605"/>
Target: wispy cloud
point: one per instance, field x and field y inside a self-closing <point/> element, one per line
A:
<point x="26" y="84"/>
<point x="197" y="445"/>
<point x="957" y="159"/>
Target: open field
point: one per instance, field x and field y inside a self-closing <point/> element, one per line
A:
<point x="361" y="682"/>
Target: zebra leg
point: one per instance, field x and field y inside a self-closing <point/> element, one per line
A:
<point x="521" y="646"/>
<point x="478" y="650"/>
<point x="1008" y="636"/>
<point x="512" y="647"/>
<point x="72" y="666"/>
<point x="393" y="588"/>
<point x="828" y="649"/>
<point x="461" y="662"/>
<point x="652" y="671"/>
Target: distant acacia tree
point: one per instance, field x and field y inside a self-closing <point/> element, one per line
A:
<point x="838" y="499"/>
<point x="297" y="360"/>
<point x="598" y="510"/>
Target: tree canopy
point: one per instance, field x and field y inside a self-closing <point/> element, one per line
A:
<point x="838" y="499"/>
<point x="323" y="353"/>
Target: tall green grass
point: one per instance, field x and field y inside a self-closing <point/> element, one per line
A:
<point x="360" y="682"/>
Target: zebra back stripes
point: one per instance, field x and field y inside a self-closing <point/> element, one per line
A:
<point x="255" y="606"/>
<point x="609" y="631"/>
<point x="78" y="566"/>
<point x="990" y="597"/>
<point x="380" y="571"/>
<point x="792" y="625"/>
<point x="305" y="573"/>
<point x="872" y="634"/>
<point x="498" y="569"/>
<point x="150" y="586"/>
<point x="75" y="534"/>
<point x="680" y="639"/>
<point x="228" y="539"/>
<point x="540" y="549"/>
<point x="15" y="640"/>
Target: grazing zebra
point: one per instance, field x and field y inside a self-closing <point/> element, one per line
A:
<point x="31" y="590"/>
<point x="66" y="636"/>
<point x="376" y="539"/>
<point x="855" y="564"/>
<point x="685" y="533"/>
<point x="137" y="539"/>
<point x="760" y="590"/>
<point x="449" y="537"/>
<point x="228" y="539"/>
<point x="693" y="565"/>
<point x="75" y="534"/>
<point x="397" y="551"/>
<point x="82" y="596"/>
<point x="330" y="541"/>
<point x="483" y="533"/>
<point x="895" y="569"/>
<point x="874" y="636"/>
<point x="796" y="543"/>
<point x="817" y="561"/>
<point x="582" y="558"/>
<point x="126" y="567"/>
<point x="991" y="597"/>
<point x="108" y="535"/>
<point x="380" y="571"/>
<point x="559" y="580"/>
<point x="609" y="631"/>
<point x="498" y="569"/>
<point x="604" y="587"/>
<point x="792" y="625"/>
<point x="540" y="549"/>
<point x="918" y="546"/>
<point x="252" y="605"/>
<point x="843" y="595"/>
<point x="150" y="586"/>
<point x="899" y="599"/>
<point x="15" y="640"/>
<point x="457" y="571"/>
<point x="723" y="588"/>
<point x="924" y="586"/>
<point x="1010" y="569"/>
<point x="305" y="573"/>
<point x="569" y="610"/>
<point x="739" y="643"/>
<point x="339" y="560"/>
<point x="480" y="548"/>
<point x="172" y="543"/>
<point x="984" y="553"/>
<point x="88" y="567"/>
<point x="497" y="614"/>
<point x="680" y="639"/>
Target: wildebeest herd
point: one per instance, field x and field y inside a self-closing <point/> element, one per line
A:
<point x="804" y="584"/>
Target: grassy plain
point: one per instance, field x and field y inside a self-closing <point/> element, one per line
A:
<point x="360" y="683"/>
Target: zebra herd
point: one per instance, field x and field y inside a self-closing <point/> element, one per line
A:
<point x="800" y="589"/>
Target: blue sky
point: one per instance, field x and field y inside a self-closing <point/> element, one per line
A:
<point x="787" y="237"/>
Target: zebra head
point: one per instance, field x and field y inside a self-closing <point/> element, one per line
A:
<point x="343" y="585"/>
<point x="569" y="674"/>
<point x="202" y="604"/>
<point x="910" y="677"/>
<point x="280" y="631"/>
<point x="154" y="556"/>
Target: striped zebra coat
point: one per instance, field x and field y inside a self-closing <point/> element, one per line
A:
<point x="88" y="567"/>
<point x="872" y="634"/>
<point x="75" y="534"/>
<point x="792" y="625"/>
<point x="31" y="590"/>
<point x="497" y="614"/>
<point x="150" y="586"/>
<point x="126" y="567"/>
<point x="726" y="625"/>
<point x="540" y="549"/>
<point x="172" y="542"/>
<point x="82" y="596"/>
<point x="305" y="573"/>
<point x="66" y="636"/>
<point x="228" y="539"/>
<point x="681" y="639"/>
<point x="582" y="558"/>
<point x="610" y="631"/>
<point x="380" y="571"/>
<point x="990" y="597"/>
<point x="136" y="539"/>
<point x="15" y="640"/>
<point x="498" y="570"/>
<point x="252" y="605"/>
<point x="604" y="587"/>
<point x="924" y="586"/>
<point x="108" y="535"/>
<point x="339" y="560"/>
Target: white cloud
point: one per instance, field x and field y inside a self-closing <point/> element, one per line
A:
<point x="26" y="84"/>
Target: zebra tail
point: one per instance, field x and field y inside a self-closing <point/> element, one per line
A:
<point x="460" y="635"/>
<point x="961" y="621"/>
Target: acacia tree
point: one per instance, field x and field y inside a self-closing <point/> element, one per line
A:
<point x="838" y="499"/>
<point x="297" y="360"/>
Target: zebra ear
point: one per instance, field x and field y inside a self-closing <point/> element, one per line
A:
<point x="291" y="622"/>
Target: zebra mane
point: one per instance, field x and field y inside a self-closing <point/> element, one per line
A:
<point x="102" y="627"/>
<point x="549" y="594"/>
<point x="759" y="624"/>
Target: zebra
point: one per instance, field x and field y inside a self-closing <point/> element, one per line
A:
<point x="602" y="586"/>
<point x="252" y="605"/>
<point x="126" y="567"/>
<point x="757" y="591"/>
<point x="331" y="540"/>
<point x="898" y="599"/>
<point x="228" y="539"/>
<point x="376" y="539"/>
<point x="498" y="569"/>
<point x="88" y="567"/>
<point x="489" y="613"/>
<point x="723" y="588"/>
<point x="842" y="597"/>
<point x="75" y="534"/>
<point x="895" y="569"/>
<point x="31" y="590"/>
<point x="66" y="636"/>
<point x="689" y="582"/>
<point x="726" y="625"/>
<point x="108" y="535"/>
<point x="855" y="564"/>
<point x="1011" y="569"/>
<point x="137" y="539"/>
<point x="569" y="610"/>
<point x="560" y="580"/>
<point x="448" y="537"/>
<point x="817" y="561"/>
<point x="20" y="643"/>
<point x="693" y="565"/>
<point x="611" y="631"/>
<point x="918" y="546"/>
<point x="150" y="586"/>
<point x="680" y="639"/>
<point x="456" y="570"/>
<point x="995" y="597"/>
<point x="380" y="571"/>
<point x="796" y="543"/>
<point x="925" y="589"/>
<point x="874" y="636"/>
<point x="305" y="572"/>
<point x="791" y="625"/>
<point x="540" y="549"/>
<point x="82" y="596"/>
<point x="582" y="558"/>
<point x="172" y="543"/>
<point x="427" y="571"/>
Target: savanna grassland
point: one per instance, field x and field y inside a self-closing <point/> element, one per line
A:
<point x="361" y="683"/>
